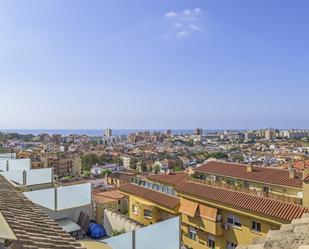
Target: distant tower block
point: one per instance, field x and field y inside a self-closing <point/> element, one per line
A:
<point x="108" y="132"/>
<point x="198" y="131"/>
<point x="168" y="132"/>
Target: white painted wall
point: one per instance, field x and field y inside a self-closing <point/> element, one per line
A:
<point x="5" y="156"/>
<point x="67" y="196"/>
<point x="33" y="176"/>
<point x="15" y="164"/>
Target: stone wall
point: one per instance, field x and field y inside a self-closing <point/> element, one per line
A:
<point x="290" y="236"/>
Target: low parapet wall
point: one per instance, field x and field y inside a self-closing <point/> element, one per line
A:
<point x="117" y="222"/>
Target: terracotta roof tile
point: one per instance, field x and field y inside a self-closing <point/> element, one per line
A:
<point x="172" y="179"/>
<point x="107" y="196"/>
<point x="150" y="195"/>
<point x="259" y="174"/>
<point x="270" y="207"/>
<point x="120" y="176"/>
<point x="299" y="165"/>
<point x="31" y="226"/>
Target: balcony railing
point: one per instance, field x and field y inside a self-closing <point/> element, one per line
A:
<point x="154" y="186"/>
<point x="247" y="190"/>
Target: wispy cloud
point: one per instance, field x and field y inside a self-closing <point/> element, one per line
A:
<point x="183" y="23"/>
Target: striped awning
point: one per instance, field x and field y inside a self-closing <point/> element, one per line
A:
<point x="208" y="212"/>
<point x="188" y="207"/>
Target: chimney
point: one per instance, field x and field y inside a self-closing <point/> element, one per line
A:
<point x="249" y="167"/>
<point x="303" y="164"/>
<point x="291" y="171"/>
<point x="305" y="173"/>
<point x="290" y="166"/>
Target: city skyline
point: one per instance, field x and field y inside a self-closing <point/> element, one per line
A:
<point x="149" y="65"/>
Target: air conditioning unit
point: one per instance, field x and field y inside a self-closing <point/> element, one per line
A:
<point x="225" y="226"/>
<point x="213" y="178"/>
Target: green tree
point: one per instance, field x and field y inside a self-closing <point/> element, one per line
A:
<point x="217" y="155"/>
<point x="177" y="168"/>
<point x="144" y="167"/>
<point x="106" y="172"/>
<point x="88" y="160"/>
<point x="156" y="169"/>
<point x="133" y="162"/>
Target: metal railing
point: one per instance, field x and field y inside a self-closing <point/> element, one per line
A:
<point x="154" y="186"/>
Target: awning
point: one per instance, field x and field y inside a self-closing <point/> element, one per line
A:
<point x="188" y="207"/>
<point x="208" y="212"/>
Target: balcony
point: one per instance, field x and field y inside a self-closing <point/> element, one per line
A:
<point x="208" y="226"/>
<point x="196" y="244"/>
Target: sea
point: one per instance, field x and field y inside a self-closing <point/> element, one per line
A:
<point x="96" y="132"/>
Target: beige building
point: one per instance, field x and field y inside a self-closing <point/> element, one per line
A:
<point x="112" y="200"/>
<point x="61" y="165"/>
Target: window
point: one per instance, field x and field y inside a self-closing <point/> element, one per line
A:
<point x="147" y="213"/>
<point x="192" y="233"/>
<point x="266" y="189"/>
<point x="211" y="241"/>
<point x="256" y="226"/>
<point x="213" y="178"/>
<point x="233" y="220"/>
<point x="230" y="245"/>
<point x="134" y="209"/>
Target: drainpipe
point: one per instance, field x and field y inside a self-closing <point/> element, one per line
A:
<point x="55" y="195"/>
<point x="24" y="177"/>
<point x="133" y="240"/>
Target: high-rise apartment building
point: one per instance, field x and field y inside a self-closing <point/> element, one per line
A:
<point x="198" y="131"/>
<point x="108" y="132"/>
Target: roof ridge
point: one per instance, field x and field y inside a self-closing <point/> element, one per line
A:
<point x="244" y="165"/>
<point x="225" y="197"/>
<point x="240" y="192"/>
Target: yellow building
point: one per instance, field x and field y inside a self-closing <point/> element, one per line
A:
<point x="215" y="217"/>
<point x="118" y="178"/>
<point x="212" y="214"/>
<point x="286" y="185"/>
<point x="148" y="206"/>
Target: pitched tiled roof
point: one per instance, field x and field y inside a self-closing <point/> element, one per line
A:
<point x="270" y="207"/>
<point x="107" y="196"/>
<point x="150" y="195"/>
<point x="259" y="174"/>
<point x="120" y="176"/>
<point x="172" y="179"/>
<point x="299" y="165"/>
<point x="32" y="227"/>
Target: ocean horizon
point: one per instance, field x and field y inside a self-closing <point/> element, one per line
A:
<point x="97" y="132"/>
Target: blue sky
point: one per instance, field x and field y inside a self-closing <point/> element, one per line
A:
<point x="154" y="64"/>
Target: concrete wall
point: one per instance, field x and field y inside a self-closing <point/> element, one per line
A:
<point x="72" y="213"/>
<point x="116" y="222"/>
<point x="4" y="156"/>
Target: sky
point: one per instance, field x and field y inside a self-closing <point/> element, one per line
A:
<point x="76" y="64"/>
